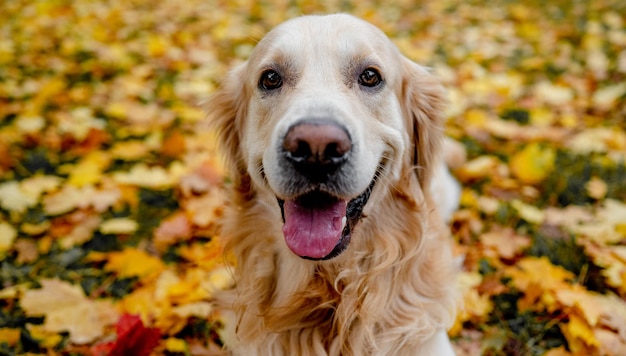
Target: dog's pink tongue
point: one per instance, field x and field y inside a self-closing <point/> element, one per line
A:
<point x="313" y="232"/>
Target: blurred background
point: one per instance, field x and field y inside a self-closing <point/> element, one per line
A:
<point x="111" y="190"/>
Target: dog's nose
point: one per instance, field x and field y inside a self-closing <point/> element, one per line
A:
<point x="317" y="148"/>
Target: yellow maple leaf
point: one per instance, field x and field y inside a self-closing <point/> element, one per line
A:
<point x="66" y="308"/>
<point x="579" y="334"/>
<point x="540" y="271"/>
<point x="134" y="263"/>
<point x="89" y="169"/>
<point x="533" y="163"/>
<point x="141" y="301"/>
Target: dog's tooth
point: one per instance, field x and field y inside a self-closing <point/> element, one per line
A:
<point x="343" y="222"/>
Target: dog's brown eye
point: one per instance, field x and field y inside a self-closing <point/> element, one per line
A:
<point x="370" y="78"/>
<point x="270" y="80"/>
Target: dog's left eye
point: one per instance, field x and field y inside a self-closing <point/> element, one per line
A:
<point x="270" y="80"/>
<point x="370" y="78"/>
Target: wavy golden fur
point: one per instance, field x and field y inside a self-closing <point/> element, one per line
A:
<point x="391" y="292"/>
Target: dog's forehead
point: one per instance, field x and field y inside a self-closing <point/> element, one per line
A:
<point x="324" y="37"/>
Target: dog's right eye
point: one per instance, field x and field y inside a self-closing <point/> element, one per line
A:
<point x="270" y="80"/>
<point x="370" y="78"/>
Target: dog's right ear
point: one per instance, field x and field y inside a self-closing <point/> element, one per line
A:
<point x="226" y="110"/>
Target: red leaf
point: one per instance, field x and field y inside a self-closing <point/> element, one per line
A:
<point x="133" y="338"/>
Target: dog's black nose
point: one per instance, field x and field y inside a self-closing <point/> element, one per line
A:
<point x="317" y="148"/>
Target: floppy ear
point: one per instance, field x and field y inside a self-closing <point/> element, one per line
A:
<point x="226" y="110"/>
<point x="423" y="98"/>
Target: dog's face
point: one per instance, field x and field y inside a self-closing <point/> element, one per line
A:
<point x="325" y="109"/>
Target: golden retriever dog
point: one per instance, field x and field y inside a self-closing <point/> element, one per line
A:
<point x="332" y="139"/>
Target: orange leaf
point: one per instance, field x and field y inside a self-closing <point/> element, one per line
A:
<point x="174" y="145"/>
<point x="172" y="230"/>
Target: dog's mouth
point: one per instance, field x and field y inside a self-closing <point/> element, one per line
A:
<point x="318" y="225"/>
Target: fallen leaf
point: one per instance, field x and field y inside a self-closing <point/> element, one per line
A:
<point x="26" y="251"/>
<point x="579" y="335"/>
<point x="143" y="176"/>
<point x="207" y="255"/>
<point x="7" y="236"/>
<point x="533" y="163"/>
<point x="13" y="198"/>
<point x="506" y="243"/>
<point x="89" y="170"/>
<point x="198" y="309"/>
<point x="539" y="271"/>
<point x="129" y="150"/>
<point x="133" y="338"/>
<point x="529" y="213"/>
<point x="206" y="209"/>
<point x="174" y="229"/>
<point x="134" y="263"/>
<point x="605" y="98"/>
<point x="66" y="308"/>
<point x="596" y="188"/>
<point x="9" y="336"/>
<point x="610" y="344"/>
<point x="175" y="345"/>
<point x="553" y="94"/>
<point x="476" y="307"/>
<point x="119" y="226"/>
<point x="45" y="337"/>
<point x="174" y="145"/>
<point x="481" y="167"/>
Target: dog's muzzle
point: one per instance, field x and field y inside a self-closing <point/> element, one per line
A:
<point x="317" y="224"/>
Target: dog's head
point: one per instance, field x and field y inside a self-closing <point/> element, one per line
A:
<point x="325" y="109"/>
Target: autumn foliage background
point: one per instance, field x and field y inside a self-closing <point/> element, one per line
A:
<point x="110" y="189"/>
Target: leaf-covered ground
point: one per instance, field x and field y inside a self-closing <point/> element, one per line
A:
<point x="110" y="189"/>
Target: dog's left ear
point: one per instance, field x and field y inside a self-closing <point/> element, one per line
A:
<point x="423" y="100"/>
